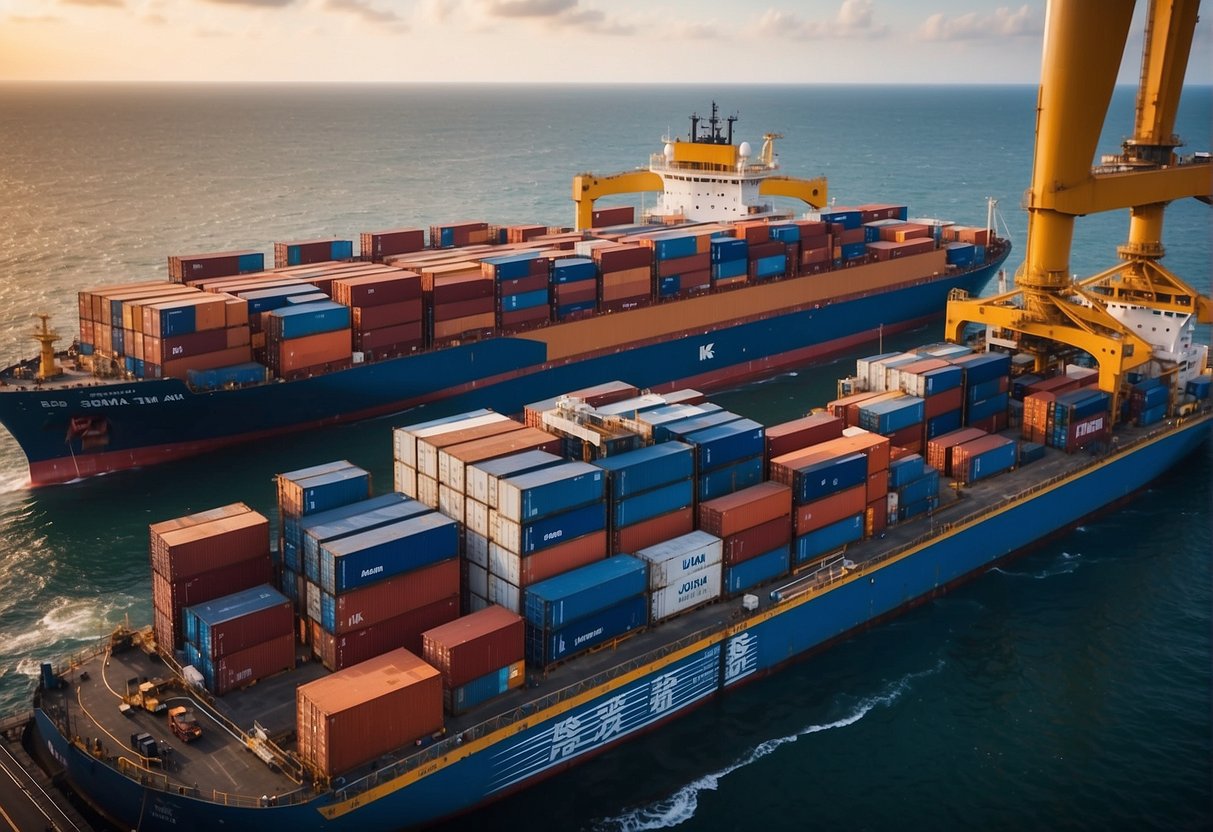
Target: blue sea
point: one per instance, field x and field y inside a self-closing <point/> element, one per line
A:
<point x="1069" y="689"/>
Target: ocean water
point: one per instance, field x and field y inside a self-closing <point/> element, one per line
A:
<point x="1068" y="689"/>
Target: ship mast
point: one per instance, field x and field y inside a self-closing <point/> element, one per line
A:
<point x="46" y="337"/>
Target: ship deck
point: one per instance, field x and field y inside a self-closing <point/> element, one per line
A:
<point x="220" y="766"/>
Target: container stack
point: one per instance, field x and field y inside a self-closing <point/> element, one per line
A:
<point x="755" y="528"/>
<point x="685" y="572"/>
<point x="303" y="535"/>
<point x="381" y="588"/>
<point x="186" y="267"/>
<point x="521" y="284"/>
<point x="827" y="481"/>
<point x="386" y="311"/>
<point x="913" y="488"/>
<point x="729" y="258"/>
<point x="459" y="234"/>
<point x="651" y="493"/>
<point x="1148" y="401"/>
<point x="940" y="449"/>
<point x="816" y="247"/>
<point x="376" y="245"/>
<point x="728" y="457"/>
<point x="626" y="277"/>
<point x="480" y="656"/>
<point x="769" y="259"/>
<point x="238" y="639"/>
<point x="480" y="499"/>
<point x="306" y="252"/>
<point x="984" y="457"/>
<point x="201" y="557"/>
<point x="901" y="418"/>
<point x="455" y="461"/>
<point x="940" y="385"/>
<point x="987" y="385"/>
<point x="421" y="481"/>
<point x="308" y="339"/>
<point x="572" y="613"/>
<point x="404" y="445"/>
<point x="574" y="287"/>
<point x="546" y="522"/>
<point x="1080" y="418"/>
<point x="462" y="301"/>
<point x="351" y="717"/>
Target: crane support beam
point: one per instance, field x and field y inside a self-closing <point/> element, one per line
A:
<point x="1165" y="52"/>
<point x="1115" y="191"/>
<point x="813" y="192"/>
<point x="588" y="187"/>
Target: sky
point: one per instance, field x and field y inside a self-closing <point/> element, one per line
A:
<point x="540" y="41"/>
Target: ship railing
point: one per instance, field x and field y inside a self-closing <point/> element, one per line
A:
<point x="450" y="744"/>
<point x="824" y="581"/>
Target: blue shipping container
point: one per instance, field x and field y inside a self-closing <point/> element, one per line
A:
<point x="993" y="461"/>
<point x="728" y="249"/>
<point x="177" y="321"/>
<point x="371" y="516"/>
<point x="852" y="250"/>
<point x="338" y="488"/>
<point x="770" y="266"/>
<point x="557" y="528"/>
<point x="960" y="254"/>
<point x="829" y="476"/>
<point x="646" y="468"/>
<point x="479" y="690"/>
<point x="573" y="269"/>
<point x="524" y="300"/>
<point x="730" y="268"/>
<point x="669" y="248"/>
<point x="756" y="570"/>
<point x="722" y="444"/>
<point x="1199" y="387"/>
<point x="905" y="470"/>
<point x="943" y="423"/>
<point x="730" y="478"/>
<point x="253" y="262"/>
<point x="293" y="528"/>
<point x="825" y="540"/>
<point x="649" y="504"/>
<point x="680" y="428"/>
<point x="312" y="319"/>
<point x="785" y="232"/>
<point x="239" y="374"/>
<point x="366" y="557"/>
<point x="983" y="390"/>
<point x="573" y="595"/>
<point x="942" y="380"/>
<point x="512" y="266"/>
<point x="550" y="490"/>
<point x="1030" y="452"/>
<point x="848" y="219"/>
<point x="986" y="366"/>
<point x="543" y="647"/>
<point x="892" y="414"/>
<point x="987" y="408"/>
<point x="341" y="250"/>
<point x="920" y="489"/>
<point x="265" y="300"/>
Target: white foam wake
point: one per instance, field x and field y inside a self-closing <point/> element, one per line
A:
<point x="682" y="805"/>
<point x="1067" y="564"/>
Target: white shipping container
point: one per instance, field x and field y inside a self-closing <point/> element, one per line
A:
<point x="476" y="548"/>
<point x="404" y="440"/>
<point x="510" y="495"/>
<point x="450" y="503"/>
<point x="478" y="580"/>
<point x="404" y="479"/>
<point x="507" y="533"/>
<point x="313" y="601"/>
<point x="476" y="603"/>
<point x="427" y="452"/>
<point x="476" y="517"/>
<point x="427" y="490"/>
<point x="505" y="593"/>
<point x="672" y="560"/>
<point x="505" y="564"/>
<point x="694" y="589"/>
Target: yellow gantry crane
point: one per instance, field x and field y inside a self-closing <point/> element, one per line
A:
<point x="1083" y="47"/>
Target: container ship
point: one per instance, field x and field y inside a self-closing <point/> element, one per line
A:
<point x="538" y="589"/>
<point x="715" y="285"/>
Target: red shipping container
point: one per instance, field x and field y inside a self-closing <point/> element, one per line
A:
<point x="379" y="244"/>
<point x="1095" y="428"/>
<point x="174" y="596"/>
<point x="744" y="509"/>
<point x="200" y="266"/>
<point x="465" y="287"/>
<point x="159" y="350"/>
<point x="250" y="629"/>
<point x="454" y="310"/>
<point x="519" y="317"/>
<point x="351" y="717"/>
<point x="941" y="403"/>
<point x="195" y="519"/>
<point x="681" y="265"/>
<point x="394" y="596"/>
<point x="693" y="281"/>
<point x="605" y="217"/>
<point x="802" y="433"/>
<point x="338" y="652"/>
<point x="939" y="449"/>
<point x="622" y="257"/>
<point x="377" y="289"/>
<point x="577" y="292"/>
<point x="820" y="513"/>
<point x="182" y="553"/>
<point x="767" y="248"/>
<point x="757" y="540"/>
<point x="241" y="669"/>
<point x="531" y="283"/>
<point x="556" y="560"/>
<point x="167" y="629"/>
<point x="474" y="645"/>
<point x="652" y="531"/>
<point x="878" y="485"/>
<point x="388" y="337"/>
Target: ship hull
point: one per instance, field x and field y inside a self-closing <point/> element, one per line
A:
<point x="547" y="740"/>
<point x="154" y="421"/>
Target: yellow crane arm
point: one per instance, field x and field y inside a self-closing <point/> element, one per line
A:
<point x="813" y="192"/>
<point x="587" y="187"/>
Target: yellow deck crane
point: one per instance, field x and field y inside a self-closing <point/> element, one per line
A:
<point x="1102" y="315"/>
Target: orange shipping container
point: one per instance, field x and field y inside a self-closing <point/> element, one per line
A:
<point x="467" y="324"/>
<point x="744" y="509"/>
<point x="179" y="552"/>
<point x="820" y="513"/>
<point x="652" y="531"/>
<point x="310" y="350"/>
<point x="207" y="361"/>
<point x="356" y="714"/>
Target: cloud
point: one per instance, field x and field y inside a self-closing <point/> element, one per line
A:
<point x="854" y="19"/>
<point x="439" y="11"/>
<point x="110" y="3"/>
<point x="695" y="30"/>
<point x="1003" y="22"/>
<point x="41" y="18"/>
<point x="559" y="13"/>
<point x="362" y="9"/>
